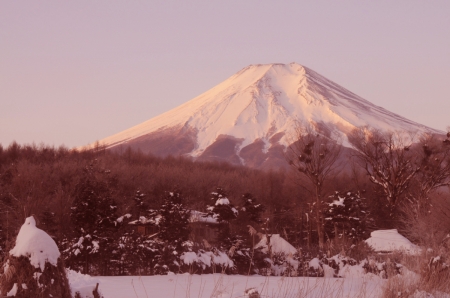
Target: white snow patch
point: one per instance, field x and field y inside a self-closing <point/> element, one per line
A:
<point x="206" y="259"/>
<point x="13" y="291"/>
<point x="350" y="271"/>
<point x="390" y="240"/>
<point x="120" y="219"/>
<point x="328" y="272"/>
<point x="189" y="257"/>
<point x="221" y="258"/>
<point x="314" y="263"/>
<point x="197" y="216"/>
<point x="292" y="262"/>
<point x="278" y="244"/>
<point x="222" y="201"/>
<point x="82" y="283"/>
<point x="339" y="202"/>
<point x="144" y="220"/>
<point x="35" y="244"/>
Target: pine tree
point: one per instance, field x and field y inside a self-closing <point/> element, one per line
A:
<point x="251" y="208"/>
<point x="93" y="216"/>
<point x="174" y="223"/>
<point x="174" y="231"/>
<point x="140" y="206"/>
<point x="347" y="216"/>
<point x="222" y="209"/>
<point x="224" y="212"/>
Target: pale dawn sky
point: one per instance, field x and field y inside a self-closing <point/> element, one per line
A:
<point x="73" y="72"/>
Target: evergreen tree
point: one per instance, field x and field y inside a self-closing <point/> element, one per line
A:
<point x="173" y="232"/>
<point x="174" y="223"/>
<point x="134" y="253"/>
<point x="140" y="206"/>
<point x="224" y="212"/>
<point x="347" y="216"/>
<point x="251" y="208"/>
<point x="222" y="209"/>
<point x="93" y="215"/>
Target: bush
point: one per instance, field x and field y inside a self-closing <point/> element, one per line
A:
<point x="31" y="282"/>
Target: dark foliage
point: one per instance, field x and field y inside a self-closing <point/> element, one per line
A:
<point x="52" y="282"/>
<point x="347" y="216"/>
<point x="252" y="209"/>
<point x="174" y="223"/>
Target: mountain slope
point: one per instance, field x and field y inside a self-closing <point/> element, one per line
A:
<point x="250" y="117"/>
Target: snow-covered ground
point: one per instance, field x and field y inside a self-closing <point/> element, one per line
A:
<point x="233" y="286"/>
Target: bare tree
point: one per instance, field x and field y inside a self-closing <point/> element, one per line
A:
<point x="433" y="160"/>
<point x="314" y="157"/>
<point x="388" y="160"/>
<point x="425" y="228"/>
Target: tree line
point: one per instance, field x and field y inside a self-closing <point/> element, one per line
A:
<point x="85" y="198"/>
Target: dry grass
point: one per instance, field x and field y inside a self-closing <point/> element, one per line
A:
<point x="429" y="271"/>
<point x="423" y="273"/>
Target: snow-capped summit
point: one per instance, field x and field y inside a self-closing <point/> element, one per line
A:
<point x="250" y="117"/>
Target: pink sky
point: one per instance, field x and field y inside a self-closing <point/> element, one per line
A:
<point x="75" y="72"/>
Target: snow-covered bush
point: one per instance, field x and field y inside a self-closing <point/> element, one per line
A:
<point x="206" y="261"/>
<point x="33" y="267"/>
<point x="384" y="269"/>
<point x="317" y="264"/>
<point x="167" y="258"/>
<point x="241" y="255"/>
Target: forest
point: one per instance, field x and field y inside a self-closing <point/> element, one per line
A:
<point x="328" y="198"/>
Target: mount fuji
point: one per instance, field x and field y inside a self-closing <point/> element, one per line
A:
<point x="250" y="118"/>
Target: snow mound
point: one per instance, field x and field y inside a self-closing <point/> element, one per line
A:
<point x="36" y="245"/>
<point x="278" y="244"/>
<point x="390" y="240"/>
<point x="81" y="283"/>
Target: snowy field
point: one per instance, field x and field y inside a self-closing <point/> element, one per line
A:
<point x="233" y="286"/>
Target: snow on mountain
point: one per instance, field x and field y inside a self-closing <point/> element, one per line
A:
<point x="255" y="111"/>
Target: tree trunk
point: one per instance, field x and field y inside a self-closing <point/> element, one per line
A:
<point x="301" y="229"/>
<point x="335" y="235"/>
<point x="319" y="218"/>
